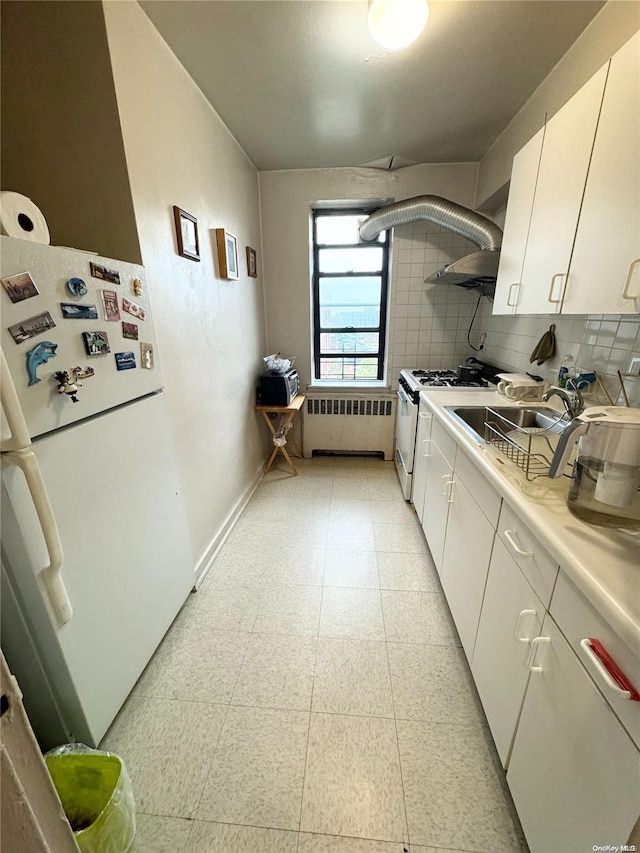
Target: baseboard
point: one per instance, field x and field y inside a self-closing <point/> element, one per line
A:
<point x="211" y="551"/>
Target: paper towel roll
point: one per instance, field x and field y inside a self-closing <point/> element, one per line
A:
<point x="20" y="217"/>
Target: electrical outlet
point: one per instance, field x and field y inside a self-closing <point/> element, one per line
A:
<point x="482" y="340"/>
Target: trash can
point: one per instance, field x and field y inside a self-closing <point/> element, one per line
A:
<point x="97" y="797"/>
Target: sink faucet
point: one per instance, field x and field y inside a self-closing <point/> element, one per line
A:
<point x="574" y="407"/>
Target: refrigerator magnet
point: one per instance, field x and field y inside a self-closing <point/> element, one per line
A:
<point x="20" y="287"/>
<point x="30" y="328"/>
<point x="77" y="287"/>
<point x="132" y="308"/>
<point x="70" y="311"/>
<point x="96" y="343"/>
<point x="104" y="273"/>
<point x="110" y="305"/>
<point x="79" y="373"/>
<point x="40" y="354"/>
<point x="146" y="356"/>
<point x="137" y="287"/>
<point x="125" y="360"/>
<point x="130" y="331"/>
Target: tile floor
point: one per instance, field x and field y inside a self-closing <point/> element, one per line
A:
<point x="313" y="697"/>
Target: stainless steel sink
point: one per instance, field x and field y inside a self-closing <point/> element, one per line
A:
<point x="505" y="419"/>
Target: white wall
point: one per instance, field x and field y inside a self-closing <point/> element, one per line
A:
<point x="286" y="199"/>
<point x="210" y="331"/>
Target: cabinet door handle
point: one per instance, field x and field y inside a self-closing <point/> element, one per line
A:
<point x="627" y="284"/>
<point x="426" y="441"/>
<point x="449" y="493"/>
<point x="611" y="674"/>
<point x="551" y="286"/>
<point x="531" y="666"/>
<point x="425" y="415"/>
<point x="509" y="536"/>
<point x="511" y="286"/>
<point x="516" y="634"/>
<point x="444" y="488"/>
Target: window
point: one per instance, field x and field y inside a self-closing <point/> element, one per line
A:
<point x="349" y="297"/>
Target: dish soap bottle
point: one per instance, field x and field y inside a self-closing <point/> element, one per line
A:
<point x="566" y="371"/>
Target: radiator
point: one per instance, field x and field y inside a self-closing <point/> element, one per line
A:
<point x="349" y="424"/>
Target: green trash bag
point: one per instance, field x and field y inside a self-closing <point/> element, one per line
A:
<point x="97" y="797"/>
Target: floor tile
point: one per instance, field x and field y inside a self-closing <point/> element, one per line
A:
<point x="235" y="566"/>
<point x="350" y="510"/>
<point x="156" y="834"/>
<point x="351" y="613"/>
<point x="258" y="769"/>
<point x="277" y="672"/>
<point x="417" y="617"/>
<point x="200" y="665"/>
<point x="452" y="789"/>
<point x="228" y="838"/>
<point x="403" y="538"/>
<point x="289" y="609"/>
<point x="350" y="535"/>
<point x="384" y="490"/>
<point x="313" y="843"/>
<point x="167" y="747"/>
<point x="351" y="568"/>
<point x="407" y="571"/>
<point x="301" y="565"/>
<point x="354" y="487"/>
<point x="352" y="677"/>
<point x="229" y="608"/>
<point x="396" y="511"/>
<point x="433" y="684"/>
<point x="352" y="784"/>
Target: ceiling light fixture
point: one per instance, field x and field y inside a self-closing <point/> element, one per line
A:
<point x="397" y="23"/>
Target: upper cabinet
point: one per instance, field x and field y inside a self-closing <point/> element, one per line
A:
<point x="572" y="237"/>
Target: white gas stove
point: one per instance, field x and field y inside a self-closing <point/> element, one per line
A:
<point x="472" y="375"/>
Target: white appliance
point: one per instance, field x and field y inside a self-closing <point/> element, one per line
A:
<point x="411" y="382"/>
<point x="96" y="558"/>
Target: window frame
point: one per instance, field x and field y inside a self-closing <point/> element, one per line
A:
<point x="381" y="329"/>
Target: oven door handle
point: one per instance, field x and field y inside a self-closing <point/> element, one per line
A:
<point x="402" y="396"/>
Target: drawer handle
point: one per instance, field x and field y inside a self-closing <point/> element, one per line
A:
<point x="425" y="415"/>
<point x="516" y="635"/>
<point x="426" y="441"/>
<point x="446" y="477"/>
<point x="511" y="286"/>
<point x="509" y="536"/>
<point x="449" y="491"/>
<point x="532" y="653"/>
<point x="612" y="675"/>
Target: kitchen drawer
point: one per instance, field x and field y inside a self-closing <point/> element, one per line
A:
<point x="482" y="492"/>
<point x="578" y="619"/>
<point x="537" y="566"/>
<point x="446" y="444"/>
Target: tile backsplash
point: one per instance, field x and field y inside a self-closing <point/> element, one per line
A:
<point x="428" y="323"/>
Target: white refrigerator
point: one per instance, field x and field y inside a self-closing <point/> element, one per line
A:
<point x="96" y="558"/>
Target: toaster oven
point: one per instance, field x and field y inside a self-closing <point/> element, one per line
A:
<point x="277" y="389"/>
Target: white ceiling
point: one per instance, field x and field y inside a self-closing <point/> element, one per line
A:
<point x="301" y="84"/>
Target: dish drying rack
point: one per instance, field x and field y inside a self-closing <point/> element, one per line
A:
<point x="530" y="448"/>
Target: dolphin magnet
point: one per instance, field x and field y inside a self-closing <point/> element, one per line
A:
<point x="40" y="354"/>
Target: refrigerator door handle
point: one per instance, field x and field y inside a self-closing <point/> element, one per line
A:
<point x="52" y="574"/>
<point x="10" y="403"/>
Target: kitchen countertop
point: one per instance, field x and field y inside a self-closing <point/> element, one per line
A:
<point x="603" y="563"/>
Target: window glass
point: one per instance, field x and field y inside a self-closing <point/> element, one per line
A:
<point x="350" y="260"/>
<point x="336" y="230"/>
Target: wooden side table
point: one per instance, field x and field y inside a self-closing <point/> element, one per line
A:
<point x="289" y="413"/>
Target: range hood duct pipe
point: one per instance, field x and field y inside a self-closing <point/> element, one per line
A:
<point x="432" y="208"/>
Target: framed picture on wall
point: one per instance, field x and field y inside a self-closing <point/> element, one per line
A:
<point x="186" y="234"/>
<point x="227" y="246"/>
<point x="252" y="267"/>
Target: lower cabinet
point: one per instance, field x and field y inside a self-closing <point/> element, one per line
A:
<point x="574" y="772"/>
<point x="421" y="458"/>
<point x="436" y="503"/>
<point x="465" y="561"/>
<point x="512" y="616"/>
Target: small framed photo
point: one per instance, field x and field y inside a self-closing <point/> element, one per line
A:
<point x="227" y="245"/>
<point x="187" y="234"/>
<point x="133" y="309"/>
<point x="130" y="331"/>
<point x="104" y="273"/>
<point x="110" y="305"/>
<point x="31" y="327"/>
<point x="125" y="360"/>
<point x="71" y="311"/>
<point x="20" y="287"/>
<point x="146" y="356"/>
<point x="96" y="343"/>
<point x="252" y="267"/>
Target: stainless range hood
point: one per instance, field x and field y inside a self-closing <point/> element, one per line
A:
<point x="477" y="270"/>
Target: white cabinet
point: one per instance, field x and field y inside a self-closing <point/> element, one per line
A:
<point x="436" y="503"/>
<point x="512" y="616"/>
<point x="465" y="561"/>
<point x="524" y="176"/>
<point x="421" y="457"/>
<point x="604" y="276"/>
<point x="574" y="772"/>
